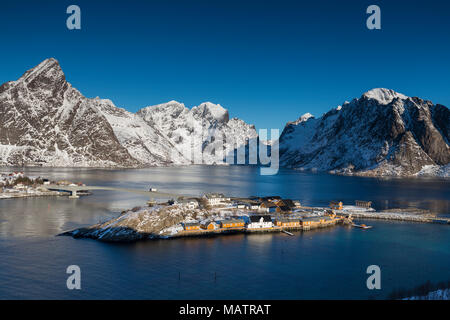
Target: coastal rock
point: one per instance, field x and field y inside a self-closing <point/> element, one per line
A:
<point x="137" y="224"/>
<point x="383" y="133"/>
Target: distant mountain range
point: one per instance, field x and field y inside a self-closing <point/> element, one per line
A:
<point x="47" y="122"/>
<point x="383" y="133"/>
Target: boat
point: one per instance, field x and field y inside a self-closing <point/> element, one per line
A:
<point x="362" y="226"/>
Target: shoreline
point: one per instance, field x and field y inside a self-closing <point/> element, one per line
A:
<point x="3" y="196"/>
<point x="400" y="217"/>
<point x="361" y="174"/>
<point x="85" y="233"/>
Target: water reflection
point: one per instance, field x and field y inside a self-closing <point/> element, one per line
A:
<point x="324" y="263"/>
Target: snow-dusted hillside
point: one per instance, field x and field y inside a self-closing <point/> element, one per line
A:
<point x="201" y="131"/>
<point x="145" y="143"/>
<point x="381" y="133"/>
<point x="443" y="294"/>
<point x="45" y="121"/>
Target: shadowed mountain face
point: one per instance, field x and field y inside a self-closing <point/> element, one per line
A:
<point x="45" y="121"/>
<point x="381" y="133"/>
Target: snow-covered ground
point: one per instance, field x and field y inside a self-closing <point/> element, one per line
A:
<point x="150" y="222"/>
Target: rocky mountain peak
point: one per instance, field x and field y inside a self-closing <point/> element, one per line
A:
<point x="382" y="133"/>
<point x="383" y="96"/>
<point x="211" y="111"/>
<point x="47" y="71"/>
<point x="303" y="118"/>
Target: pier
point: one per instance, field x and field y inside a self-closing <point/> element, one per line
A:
<point x="75" y="190"/>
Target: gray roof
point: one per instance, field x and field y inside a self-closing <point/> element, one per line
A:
<point x="233" y="221"/>
<point x="192" y="224"/>
<point x="266" y="218"/>
<point x="311" y="219"/>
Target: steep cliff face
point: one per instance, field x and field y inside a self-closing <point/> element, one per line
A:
<point x="381" y="133"/>
<point x="45" y="121"/>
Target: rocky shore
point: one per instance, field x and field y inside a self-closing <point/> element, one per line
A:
<point x="141" y="223"/>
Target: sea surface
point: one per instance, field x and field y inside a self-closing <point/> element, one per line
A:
<point x="322" y="264"/>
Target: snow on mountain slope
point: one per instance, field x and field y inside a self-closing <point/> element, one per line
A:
<point x="204" y="133"/>
<point x="45" y="121"/>
<point x="382" y="133"/>
<point x="144" y="142"/>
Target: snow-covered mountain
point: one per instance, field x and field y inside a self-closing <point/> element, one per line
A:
<point x="200" y="131"/>
<point x="381" y="133"/>
<point x="45" y="121"/>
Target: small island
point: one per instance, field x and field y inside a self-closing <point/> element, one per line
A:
<point x="215" y="214"/>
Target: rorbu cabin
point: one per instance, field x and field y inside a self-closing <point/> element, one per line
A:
<point x="211" y="225"/>
<point x="232" y="223"/>
<point x="310" y="221"/>
<point x="325" y="220"/>
<point x="287" y="222"/>
<point x="191" y="226"/>
<point x="336" y="205"/>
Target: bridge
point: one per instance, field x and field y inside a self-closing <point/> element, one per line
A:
<point x="73" y="190"/>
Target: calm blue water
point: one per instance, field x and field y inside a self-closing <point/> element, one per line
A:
<point x="327" y="263"/>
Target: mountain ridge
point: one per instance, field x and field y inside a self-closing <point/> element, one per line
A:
<point x="382" y="133"/>
<point x="53" y="124"/>
<point x="47" y="122"/>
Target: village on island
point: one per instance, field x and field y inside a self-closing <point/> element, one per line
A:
<point x="209" y="214"/>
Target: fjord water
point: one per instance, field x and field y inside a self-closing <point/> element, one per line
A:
<point x="323" y="264"/>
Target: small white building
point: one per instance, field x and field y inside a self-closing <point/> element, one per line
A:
<point x="260" y="222"/>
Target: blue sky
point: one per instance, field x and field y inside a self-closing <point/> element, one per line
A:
<point x="268" y="62"/>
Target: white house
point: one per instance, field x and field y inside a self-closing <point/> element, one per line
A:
<point x="260" y="222"/>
